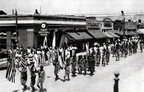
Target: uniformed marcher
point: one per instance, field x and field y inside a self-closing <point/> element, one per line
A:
<point x="107" y="55"/>
<point x="33" y="75"/>
<point x="56" y="66"/>
<point x="141" y="45"/>
<point x="67" y="71"/>
<point x="85" y="64"/>
<point x="91" y="64"/>
<point x="73" y="63"/>
<point x="23" y="70"/>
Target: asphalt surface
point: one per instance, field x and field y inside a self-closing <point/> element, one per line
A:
<point x="131" y="71"/>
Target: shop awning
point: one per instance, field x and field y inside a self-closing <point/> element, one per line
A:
<point x="79" y="35"/>
<point x="112" y="33"/>
<point x="133" y="33"/>
<point x="84" y="35"/>
<point x="74" y="35"/>
<point x="140" y="31"/>
<point x="108" y="35"/>
<point x="97" y="34"/>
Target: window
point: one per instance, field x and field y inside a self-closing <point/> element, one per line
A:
<point x="3" y="43"/>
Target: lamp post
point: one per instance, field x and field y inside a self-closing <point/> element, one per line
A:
<point x="16" y="28"/>
<point x="123" y="22"/>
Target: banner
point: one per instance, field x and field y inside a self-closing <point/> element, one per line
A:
<point x="45" y="44"/>
<point x="54" y="40"/>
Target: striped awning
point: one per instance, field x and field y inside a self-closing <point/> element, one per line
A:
<point x="140" y="31"/>
<point x="112" y="33"/>
<point x="97" y="34"/>
<point x="79" y="35"/>
<point x="108" y="35"/>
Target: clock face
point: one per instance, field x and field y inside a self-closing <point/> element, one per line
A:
<point x="43" y="25"/>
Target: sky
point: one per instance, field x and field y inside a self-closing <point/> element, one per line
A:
<point x="73" y="7"/>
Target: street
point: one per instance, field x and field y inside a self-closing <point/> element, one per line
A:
<point x="131" y="71"/>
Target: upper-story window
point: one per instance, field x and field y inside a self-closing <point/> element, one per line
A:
<point x="3" y="34"/>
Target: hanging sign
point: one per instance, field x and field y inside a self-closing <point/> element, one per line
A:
<point x="44" y="30"/>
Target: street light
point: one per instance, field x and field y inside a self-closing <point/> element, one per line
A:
<point x="16" y="18"/>
<point x="123" y="22"/>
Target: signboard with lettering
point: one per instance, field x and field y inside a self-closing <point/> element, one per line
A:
<point x="92" y="23"/>
<point x="44" y="30"/>
<point x="130" y="25"/>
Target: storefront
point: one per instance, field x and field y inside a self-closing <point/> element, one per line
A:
<point x="28" y="31"/>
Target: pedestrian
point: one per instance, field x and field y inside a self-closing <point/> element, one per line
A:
<point x="33" y="75"/>
<point x="41" y="77"/>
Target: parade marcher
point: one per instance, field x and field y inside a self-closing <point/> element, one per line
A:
<point x="67" y="71"/>
<point x="117" y="46"/>
<point x="107" y="55"/>
<point x="85" y="65"/>
<point x="33" y="75"/>
<point x="23" y="68"/>
<point x="130" y="46"/>
<point x="56" y="66"/>
<point x="91" y="64"/>
<point x="41" y="77"/>
<point x="141" y="45"/>
<point x="73" y="63"/>
<point x="98" y="55"/>
<point x="104" y="55"/>
<point x="80" y="64"/>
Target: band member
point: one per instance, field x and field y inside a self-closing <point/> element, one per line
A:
<point x="41" y="77"/>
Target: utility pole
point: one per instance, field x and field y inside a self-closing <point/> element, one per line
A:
<point x="123" y="22"/>
<point x="16" y="29"/>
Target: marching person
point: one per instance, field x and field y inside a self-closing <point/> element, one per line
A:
<point x="141" y="45"/>
<point x="41" y="77"/>
<point x="33" y="75"/>
<point x="91" y="64"/>
<point x="107" y="55"/>
<point x="23" y="68"/>
<point x="67" y="71"/>
<point x="56" y="66"/>
<point x="73" y="66"/>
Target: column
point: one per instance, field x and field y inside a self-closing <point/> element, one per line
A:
<point x="30" y="37"/>
<point x="8" y="40"/>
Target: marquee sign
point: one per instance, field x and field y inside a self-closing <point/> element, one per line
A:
<point x="44" y="29"/>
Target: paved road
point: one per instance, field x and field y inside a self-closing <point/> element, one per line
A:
<point x="131" y="78"/>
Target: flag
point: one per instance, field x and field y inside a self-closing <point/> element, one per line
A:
<point x="87" y="47"/>
<point x="63" y="41"/>
<point x="45" y="44"/>
<point x="54" y="40"/>
<point x="11" y="71"/>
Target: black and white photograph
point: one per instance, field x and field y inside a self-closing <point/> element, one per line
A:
<point x="71" y="46"/>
